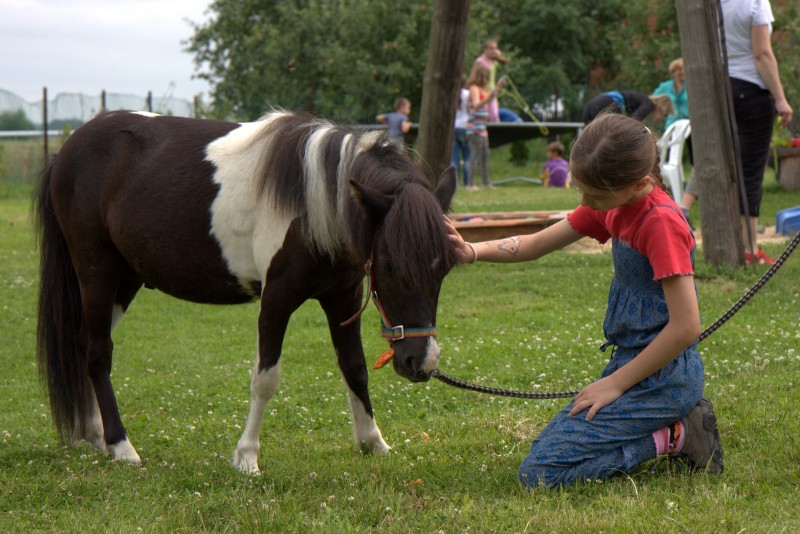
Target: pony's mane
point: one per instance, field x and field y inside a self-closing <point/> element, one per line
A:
<point x="327" y="157"/>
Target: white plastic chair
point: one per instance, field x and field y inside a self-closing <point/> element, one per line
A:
<point x="671" y="145"/>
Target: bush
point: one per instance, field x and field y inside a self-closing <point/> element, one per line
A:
<point x="15" y="120"/>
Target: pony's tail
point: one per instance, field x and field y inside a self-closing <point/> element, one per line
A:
<point x="60" y="353"/>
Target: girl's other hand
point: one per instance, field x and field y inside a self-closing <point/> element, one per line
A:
<point x="594" y="396"/>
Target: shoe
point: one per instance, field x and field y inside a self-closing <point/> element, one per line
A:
<point x="702" y="450"/>
<point x="472" y="188"/>
<point x="760" y="258"/>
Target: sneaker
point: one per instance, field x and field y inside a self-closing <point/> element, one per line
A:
<point x="759" y="258"/>
<point x="702" y="450"/>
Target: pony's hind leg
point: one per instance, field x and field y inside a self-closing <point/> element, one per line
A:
<point x="89" y="422"/>
<point x="104" y="299"/>
<point x="350" y="357"/>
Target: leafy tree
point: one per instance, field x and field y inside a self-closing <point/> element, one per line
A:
<point x="561" y="44"/>
<point x="15" y="120"/>
<point x="785" y="42"/>
<point x="349" y="59"/>
<point x="346" y="59"/>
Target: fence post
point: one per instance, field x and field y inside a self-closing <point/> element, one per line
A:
<point x="150" y="101"/>
<point x="44" y="124"/>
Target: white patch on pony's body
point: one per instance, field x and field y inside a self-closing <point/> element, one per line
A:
<point x="263" y="386"/>
<point x="366" y="434"/>
<point x="148" y="114"/>
<point x="321" y="214"/>
<point x="248" y="229"/>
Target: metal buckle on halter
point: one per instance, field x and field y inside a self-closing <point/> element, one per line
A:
<point x="402" y="331"/>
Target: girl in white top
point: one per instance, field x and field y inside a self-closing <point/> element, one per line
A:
<point x="757" y="97"/>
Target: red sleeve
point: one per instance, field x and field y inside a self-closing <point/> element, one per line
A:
<point x="666" y="240"/>
<point x="589" y="222"/>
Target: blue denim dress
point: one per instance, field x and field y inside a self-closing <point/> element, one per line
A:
<point x="619" y="437"/>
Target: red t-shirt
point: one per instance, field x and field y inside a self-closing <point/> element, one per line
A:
<point x="653" y="226"/>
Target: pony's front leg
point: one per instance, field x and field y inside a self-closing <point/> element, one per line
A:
<point x="272" y="322"/>
<point x="263" y="385"/>
<point x="350" y="356"/>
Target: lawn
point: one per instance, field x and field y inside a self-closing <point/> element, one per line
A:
<point x="181" y="373"/>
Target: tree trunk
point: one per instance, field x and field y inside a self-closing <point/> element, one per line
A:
<point x="441" y="85"/>
<point x="714" y="135"/>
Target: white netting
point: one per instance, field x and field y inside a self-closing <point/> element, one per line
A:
<point x="66" y="106"/>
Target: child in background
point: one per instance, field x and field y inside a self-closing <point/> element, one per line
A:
<point x="556" y="168"/>
<point x="397" y="121"/>
<point x="479" y="97"/>
<point x="648" y="401"/>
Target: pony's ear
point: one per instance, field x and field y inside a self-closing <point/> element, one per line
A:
<point x="376" y="203"/>
<point x="446" y="187"/>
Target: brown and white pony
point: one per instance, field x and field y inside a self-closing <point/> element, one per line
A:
<point x="285" y="209"/>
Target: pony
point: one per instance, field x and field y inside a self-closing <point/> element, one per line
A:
<point x="285" y="209"/>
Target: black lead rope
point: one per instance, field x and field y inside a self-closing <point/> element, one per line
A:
<point x="463" y="384"/>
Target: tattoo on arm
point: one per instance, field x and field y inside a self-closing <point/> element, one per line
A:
<point x="510" y="245"/>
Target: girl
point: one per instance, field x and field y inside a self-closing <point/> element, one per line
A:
<point x="479" y="98"/>
<point x="648" y="400"/>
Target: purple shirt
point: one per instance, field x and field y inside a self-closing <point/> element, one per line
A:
<point x="557" y="171"/>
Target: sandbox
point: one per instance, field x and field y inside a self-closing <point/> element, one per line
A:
<point x="497" y="225"/>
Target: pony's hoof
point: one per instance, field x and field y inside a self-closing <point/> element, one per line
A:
<point x="246" y="463"/>
<point x="378" y="447"/>
<point x="124" y="452"/>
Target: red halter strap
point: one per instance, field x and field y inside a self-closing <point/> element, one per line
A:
<point x="368" y="269"/>
<point x="391" y="333"/>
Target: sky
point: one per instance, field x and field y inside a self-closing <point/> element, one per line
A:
<point x="86" y="46"/>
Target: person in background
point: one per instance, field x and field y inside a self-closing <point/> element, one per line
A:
<point x="490" y="57"/>
<point x="631" y="103"/>
<point x="461" y="151"/>
<point x="649" y="401"/>
<point x="479" y="98"/>
<point x="397" y="121"/>
<point x="556" y="168"/>
<point x="675" y="89"/>
<point x="757" y="97"/>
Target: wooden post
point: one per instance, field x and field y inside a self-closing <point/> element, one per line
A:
<point x="713" y="131"/>
<point x="103" y="101"/>
<point x="150" y="101"/>
<point x="441" y="85"/>
<point x="44" y="126"/>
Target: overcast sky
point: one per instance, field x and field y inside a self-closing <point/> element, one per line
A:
<point x="85" y="46"/>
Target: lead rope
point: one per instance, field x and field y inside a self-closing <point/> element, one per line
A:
<point x="463" y="384"/>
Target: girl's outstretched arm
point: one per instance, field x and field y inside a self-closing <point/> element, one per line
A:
<point x="517" y="248"/>
<point x="682" y="329"/>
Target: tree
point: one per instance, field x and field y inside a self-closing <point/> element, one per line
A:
<point x="442" y="84"/>
<point x="559" y="47"/>
<point x="347" y="60"/>
<point x="712" y="132"/>
<point x="15" y="120"/>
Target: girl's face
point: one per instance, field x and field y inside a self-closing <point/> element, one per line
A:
<point x="605" y="200"/>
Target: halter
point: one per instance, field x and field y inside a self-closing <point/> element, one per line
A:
<point x="388" y="331"/>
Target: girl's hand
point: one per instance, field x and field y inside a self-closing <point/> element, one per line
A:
<point x="464" y="252"/>
<point x="596" y="395"/>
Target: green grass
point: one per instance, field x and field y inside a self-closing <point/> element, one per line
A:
<point x="181" y="373"/>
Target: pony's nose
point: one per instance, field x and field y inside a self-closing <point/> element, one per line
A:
<point x="431" y="358"/>
<point x="416" y="359"/>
